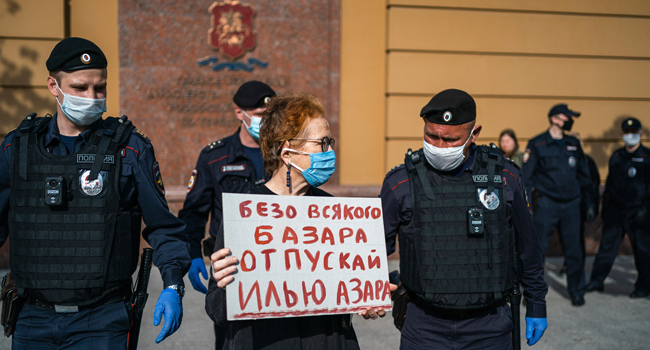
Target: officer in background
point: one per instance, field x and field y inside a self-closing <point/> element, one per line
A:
<point x="231" y="165"/>
<point x="555" y="166"/>
<point x="458" y="210"/>
<point x="75" y="188"/>
<point x="626" y="202"/>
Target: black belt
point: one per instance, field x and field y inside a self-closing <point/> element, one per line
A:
<point x="119" y="294"/>
<point x="453" y="314"/>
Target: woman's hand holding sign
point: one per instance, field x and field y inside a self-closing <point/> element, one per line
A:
<point x="371" y="313"/>
<point x="222" y="267"/>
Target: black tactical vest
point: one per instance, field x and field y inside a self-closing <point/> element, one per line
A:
<point x="448" y="266"/>
<point x="66" y="225"/>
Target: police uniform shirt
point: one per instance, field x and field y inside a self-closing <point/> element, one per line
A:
<point x="396" y="203"/>
<point x="556" y="168"/>
<point x="138" y="184"/>
<point x="628" y="181"/>
<point x="222" y="167"/>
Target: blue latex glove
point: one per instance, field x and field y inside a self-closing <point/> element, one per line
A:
<point x="535" y="328"/>
<point x="198" y="266"/>
<point x="169" y="304"/>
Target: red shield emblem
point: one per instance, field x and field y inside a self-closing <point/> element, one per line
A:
<point x="232" y="29"/>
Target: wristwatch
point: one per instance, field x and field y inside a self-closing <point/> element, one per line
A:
<point x="178" y="288"/>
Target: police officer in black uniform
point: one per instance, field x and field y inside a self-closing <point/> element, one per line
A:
<point x="626" y="206"/>
<point x="555" y="166"/>
<point x="462" y="221"/>
<point x="73" y="191"/>
<point x="230" y="165"/>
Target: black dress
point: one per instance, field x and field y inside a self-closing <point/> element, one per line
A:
<point x="307" y="333"/>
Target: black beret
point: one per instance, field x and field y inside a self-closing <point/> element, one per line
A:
<point x="450" y="107"/>
<point x="631" y="123"/>
<point x="75" y="54"/>
<point x="253" y="94"/>
<point x="563" y="108"/>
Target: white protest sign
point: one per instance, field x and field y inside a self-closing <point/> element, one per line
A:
<point x="303" y="256"/>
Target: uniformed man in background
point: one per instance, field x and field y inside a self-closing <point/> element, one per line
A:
<point x="73" y="191"/>
<point x="230" y="165"/>
<point x="555" y="167"/>
<point x="626" y="209"/>
<point x="464" y="231"/>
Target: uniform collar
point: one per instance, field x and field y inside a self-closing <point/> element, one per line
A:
<point x="550" y="139"/>
<point x="237" y="147"/>
<point x="53" y="132"/>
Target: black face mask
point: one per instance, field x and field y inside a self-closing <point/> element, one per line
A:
<point x="567" y="125"/>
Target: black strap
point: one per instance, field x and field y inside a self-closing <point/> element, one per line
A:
<point x="424" y="180"/>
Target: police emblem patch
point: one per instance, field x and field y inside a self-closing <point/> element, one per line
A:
<point x="190" y="185"/>
<point x="631" y="172"/>
<point x="447" y="116"/>
<point x="572" y="161"/>
<point x="489" y="200"/>
<point x="526" y="156"/>
<point x="85" y="58"/>
<point x="157" y="177"/>
<point x="91" y="188"/>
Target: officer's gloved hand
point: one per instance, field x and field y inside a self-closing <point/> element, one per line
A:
<point x="198" y="266"/>
<point x="641" y="216"/>
<point x="169" y="304"/>
<point x="535" y="328"/>
<point x="591" y="214"/>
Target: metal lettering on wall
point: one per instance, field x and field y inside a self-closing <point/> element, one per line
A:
<point x="232" y="35"/>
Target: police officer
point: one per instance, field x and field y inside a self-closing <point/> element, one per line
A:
<point x="231" y="165"/>
<point x="555" y="166"/>
<point x="626" y="205"/>
<point x="74" y="188"/>
<point x="460" y="214"/>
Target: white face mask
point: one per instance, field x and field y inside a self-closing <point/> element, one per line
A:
<point x="445" y="159"/>
<point x="80" y="110"/>
<point x="631" y="139"/>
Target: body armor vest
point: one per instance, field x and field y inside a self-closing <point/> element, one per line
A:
<point x="66" y="225"/>
<point x="450" y="263"/>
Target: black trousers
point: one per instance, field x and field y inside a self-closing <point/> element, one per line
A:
<point x="488" y="330"/>
<point x="565" y="216"/>
<point x="615" y="225"/>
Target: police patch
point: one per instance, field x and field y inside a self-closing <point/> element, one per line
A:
<point x="526" y="156"/>
<point x="572" y="161"/>
<point x="232" y="168"/>
<point x="91" y="188"/>
<point x="190" y="185"/>
<point x="489" y="200"/>
<point x="631" y="172"/>
<point x="157" y="177"/>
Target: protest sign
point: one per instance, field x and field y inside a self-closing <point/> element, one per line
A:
<point x="303" y="256"/>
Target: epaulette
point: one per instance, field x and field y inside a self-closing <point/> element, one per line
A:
<point x="214" y="145"/>
<point x="142" y="135"/>
<point x="513" y="163"/>
<point x="394" y="169"/>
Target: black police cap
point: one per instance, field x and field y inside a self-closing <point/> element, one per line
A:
<point x="253" y="94"/>
<point x="631" y="123"/>
<point x="451" y="107"/>
<point x="73" y="54"/>
<point x="563" y="108"/>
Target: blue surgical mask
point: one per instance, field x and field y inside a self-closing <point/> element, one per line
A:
<point x="254" y="128"/>
<point x="322" y="167"/>
<point x="80" y="110"/>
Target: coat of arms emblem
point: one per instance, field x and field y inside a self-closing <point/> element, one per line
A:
<point x="232" y="29"/>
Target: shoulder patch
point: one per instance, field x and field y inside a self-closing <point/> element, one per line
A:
<point x="142" y="135"/>
<point x="214" y="145"/>
<point x="157" y="178"/>
<point x="526" y="156"/>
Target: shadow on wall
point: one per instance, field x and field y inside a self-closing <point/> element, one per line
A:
<point x="17" y="97"/>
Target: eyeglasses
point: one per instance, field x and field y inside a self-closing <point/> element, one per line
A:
<point x="325" y="142"/>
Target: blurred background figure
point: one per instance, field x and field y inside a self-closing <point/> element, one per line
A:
<point x="595" y="193"/>
<point x="555" y="166"/>
<point x="510" y="147"/>
<point x="626" y="201"/>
